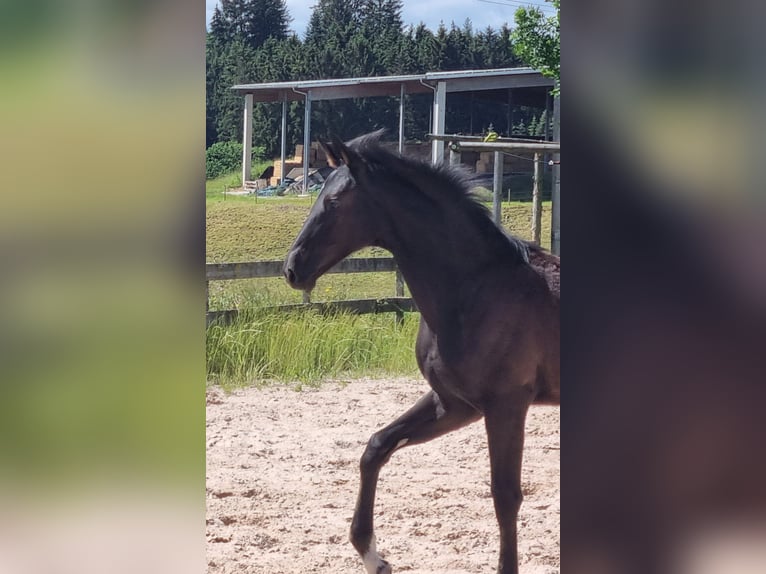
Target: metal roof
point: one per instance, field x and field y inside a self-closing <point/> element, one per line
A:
<point x="341" y="88"/>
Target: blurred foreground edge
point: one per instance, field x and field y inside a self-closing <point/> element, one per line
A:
<point x="663" y="465"/>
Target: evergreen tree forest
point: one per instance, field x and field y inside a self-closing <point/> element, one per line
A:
<point x="249" y="41"/>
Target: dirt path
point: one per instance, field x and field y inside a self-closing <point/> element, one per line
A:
<point x="282" y="474"/>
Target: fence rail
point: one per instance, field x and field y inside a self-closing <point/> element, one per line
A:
<point x="398" y="304"/>
<point x="264" y="269"/>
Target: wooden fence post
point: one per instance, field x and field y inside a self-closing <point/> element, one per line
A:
<point x="399" y="293"/>
<point x="454" y="156"/>
<point x="556" y="191"/>
<point x="537" y="203"/>
<point x="497" y="188"/>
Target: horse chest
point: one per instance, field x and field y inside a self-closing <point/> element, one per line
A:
<point x="444" y="368"/>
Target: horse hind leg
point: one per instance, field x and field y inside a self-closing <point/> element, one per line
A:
<point x="429" y="418"/>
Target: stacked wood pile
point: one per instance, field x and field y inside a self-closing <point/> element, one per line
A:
<point x="279" y="168"/>
<point x="316" y="159"/>
<point x="256" y="185"/>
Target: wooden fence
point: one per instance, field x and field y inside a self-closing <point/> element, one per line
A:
<point x="398" y="304"/>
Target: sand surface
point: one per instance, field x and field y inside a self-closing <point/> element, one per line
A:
<point x="282" y="477"/>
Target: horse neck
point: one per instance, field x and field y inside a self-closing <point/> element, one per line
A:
<point x="437" y="250"/>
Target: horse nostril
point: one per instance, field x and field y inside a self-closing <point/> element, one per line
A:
<point x="290" y="275"/>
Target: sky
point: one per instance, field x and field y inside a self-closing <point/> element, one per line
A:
<point x="431" y="12"/>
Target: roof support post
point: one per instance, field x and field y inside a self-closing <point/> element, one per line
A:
<point x="306" y="142"/>
<point x="247" y="139"/>
<point x="283" y="148"/>
<point x="470" y="107"/>
<point x="556" y="191"/>
<point x="440" y="104"/>
<point x="401" y="120"/>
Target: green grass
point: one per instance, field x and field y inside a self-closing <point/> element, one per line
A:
<point x="305" y="347"/>
<point x="262" y="346"/>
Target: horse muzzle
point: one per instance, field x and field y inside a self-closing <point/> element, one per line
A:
<point x="295" y="274"/>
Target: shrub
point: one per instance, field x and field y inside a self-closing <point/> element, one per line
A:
<point x="225" y="157"/>
<point x="221" y="158"/>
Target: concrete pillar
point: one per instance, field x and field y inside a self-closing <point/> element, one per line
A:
<point x="306" y="142"/>
<point x="439" y="109"/>
<point x="401" y="120"/>
<point x="247" y="139"/>
<point x="283" y="149"/>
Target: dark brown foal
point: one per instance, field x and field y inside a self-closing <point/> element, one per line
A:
<point x="488" y="343"/>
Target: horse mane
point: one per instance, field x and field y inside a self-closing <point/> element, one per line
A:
<point x="441" y="184"/>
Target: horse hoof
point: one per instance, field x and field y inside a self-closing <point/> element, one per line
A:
<point x="384" y="568"/>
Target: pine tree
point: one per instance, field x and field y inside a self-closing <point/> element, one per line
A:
<point x="407" y="56"/>
<point x="237" y="63"/>
<point x="381" y="26"/>
<point x="542" y="124"/>
<point x="212" y="75"/>
<point x="532" y="127"/>
<point x="428" y="49"/>
<point x="219" y="29"/>
<point x="252" y="21"/>
<point x="442" y="59"/>
<point x="234" y="18"/>
<point x="239" y="29"/>
<point x="216" y="44"/>
<point x="332" y="26"/>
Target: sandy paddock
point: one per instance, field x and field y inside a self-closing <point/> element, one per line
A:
<point x="282" y="475"/>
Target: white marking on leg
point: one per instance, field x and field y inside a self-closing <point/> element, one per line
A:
<point x="371" y="558"/>
<point x="402" y="442"/>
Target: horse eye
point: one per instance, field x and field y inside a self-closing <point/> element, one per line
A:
<point x="332" y="202"/>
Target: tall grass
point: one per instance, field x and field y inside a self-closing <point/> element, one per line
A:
<point x="262" y="345"/>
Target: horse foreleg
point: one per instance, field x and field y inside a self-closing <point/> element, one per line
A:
<point x="429" y="418"/>
<point x="504" y="421"/>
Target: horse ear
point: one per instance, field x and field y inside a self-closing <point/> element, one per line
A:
<point x="332" y="160"/>
<point x="349" y="156"/>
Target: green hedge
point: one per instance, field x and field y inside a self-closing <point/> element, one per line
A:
<point x="222" y="157"/>
<point x="225" y="157"/>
